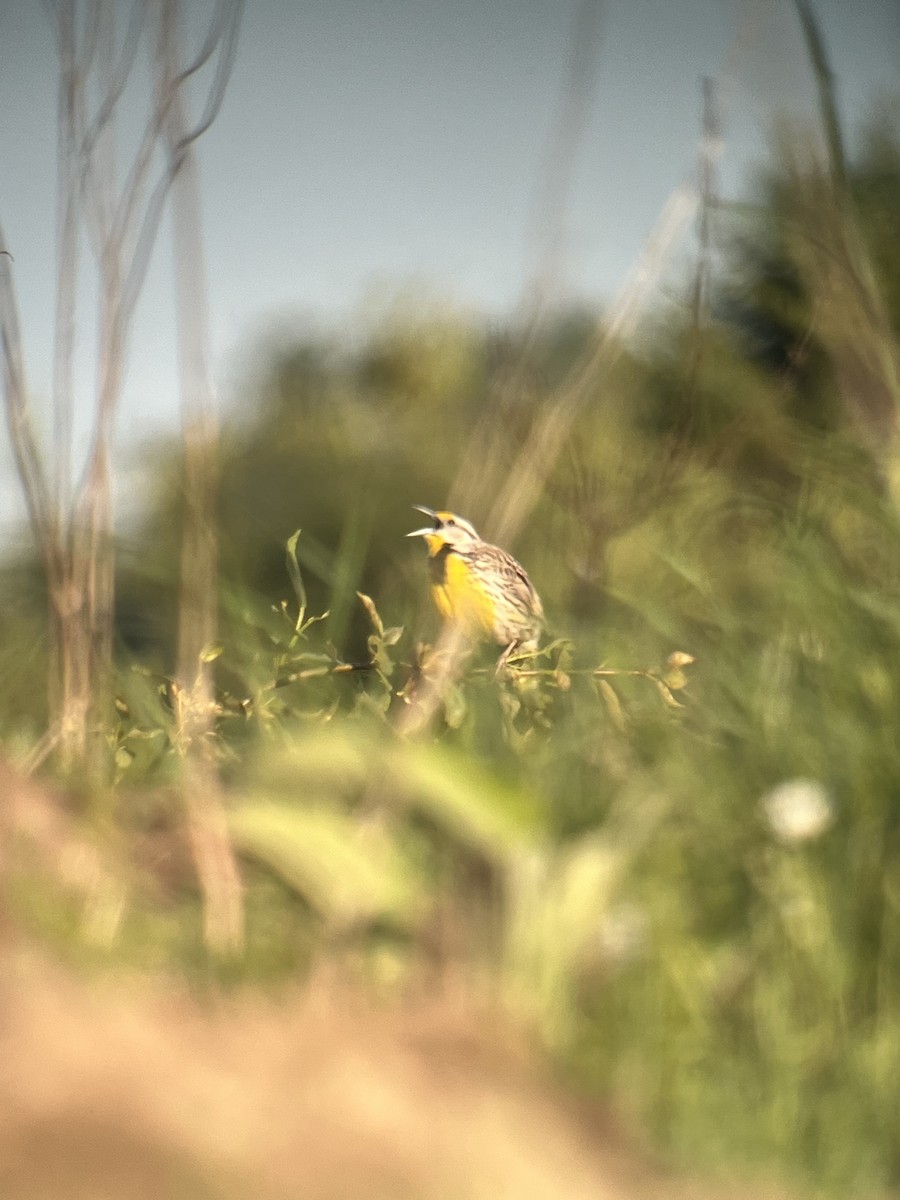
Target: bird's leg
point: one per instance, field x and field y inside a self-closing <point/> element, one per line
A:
<point x="504" y="659"/>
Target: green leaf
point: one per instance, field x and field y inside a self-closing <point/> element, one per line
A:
<point x="369" y="605"/>
<point x="483" y="812"/>
<point x="295" y="575"/>
<point x="557" y="903"/>
<point x="667" y="695"/>
<point x="349" y="872"/>
<point x="613" y="704"/>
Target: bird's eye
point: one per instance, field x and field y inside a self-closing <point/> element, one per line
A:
<point x="451" y="520"/>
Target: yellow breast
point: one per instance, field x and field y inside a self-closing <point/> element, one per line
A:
<point x="459" y="597"/>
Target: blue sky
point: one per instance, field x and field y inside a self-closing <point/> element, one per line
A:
<point x="367" y="146"/>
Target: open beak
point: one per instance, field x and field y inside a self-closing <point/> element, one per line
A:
<point x="429" y="512"/>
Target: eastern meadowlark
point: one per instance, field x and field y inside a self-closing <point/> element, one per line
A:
<point x="479" y="586"/>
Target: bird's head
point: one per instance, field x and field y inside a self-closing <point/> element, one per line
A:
<point x="448" y="529"/>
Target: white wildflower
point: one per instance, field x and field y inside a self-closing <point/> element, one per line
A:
<point x="798" y="810"/>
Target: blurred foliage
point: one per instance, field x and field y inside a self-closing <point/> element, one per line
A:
<point x="670" y="842"/>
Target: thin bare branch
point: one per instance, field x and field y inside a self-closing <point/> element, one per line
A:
<point x="554" y="423"/>
<point x="70" y="103"/>
<point x="224" y="14"/>
<point x="75" y="531"/>
<point x="118" y="78"/>
<point x="831" y="122"/>
<point x="135" y="258"/>
<point x="210" y="840"/>
<point x="28" y="459"/>
<point x="489" y="437"/>
<point x="92" y="31"/>
<point x="222" y="74"/>
<point x="222" y="30"/>
<point x="526" y="474"/>
<point x="155" y="204"/>
<point x="709" y="152"/>
<point x="566" y="139"/>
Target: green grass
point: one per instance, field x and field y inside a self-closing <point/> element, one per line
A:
<point x="596" y="850"/>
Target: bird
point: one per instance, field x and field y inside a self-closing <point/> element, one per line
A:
<point x="478" y="586"/>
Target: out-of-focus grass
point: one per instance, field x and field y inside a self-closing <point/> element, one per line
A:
<point x="601" y="861"/>
<point x="678" y="875"/>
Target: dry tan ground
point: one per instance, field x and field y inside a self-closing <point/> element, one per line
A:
<point x="134" y="1090"/>
<point x="137" y="1092"/>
